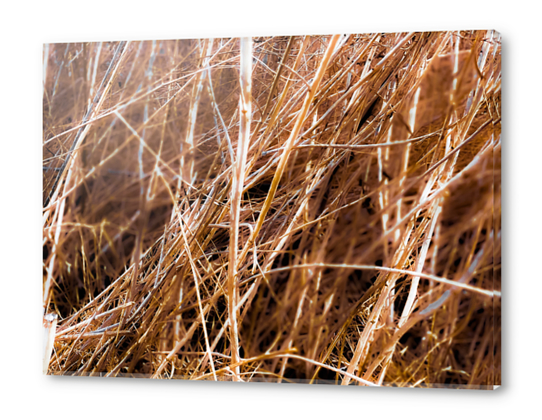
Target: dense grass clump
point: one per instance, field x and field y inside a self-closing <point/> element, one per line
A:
<point x="320" y="209"/>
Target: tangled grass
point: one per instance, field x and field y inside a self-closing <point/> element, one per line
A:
<point x="321" y="209"/>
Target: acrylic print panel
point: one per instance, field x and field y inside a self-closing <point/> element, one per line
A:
<point x="315" y="209"/>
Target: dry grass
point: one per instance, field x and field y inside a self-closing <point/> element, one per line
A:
<point x="320" y="209"/>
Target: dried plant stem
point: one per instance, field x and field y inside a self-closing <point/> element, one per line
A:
<point x="245" y="110"/>
<point x="49" y="324"/>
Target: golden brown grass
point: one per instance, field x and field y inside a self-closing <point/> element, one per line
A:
<point x="320" y="209"/>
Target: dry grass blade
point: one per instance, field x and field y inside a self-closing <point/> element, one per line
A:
<point x="238" y="181"/>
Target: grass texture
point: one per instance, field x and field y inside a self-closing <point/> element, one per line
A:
<point x="318" y="209"/>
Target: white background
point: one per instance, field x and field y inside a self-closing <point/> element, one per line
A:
<point x="27" y="25"/>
